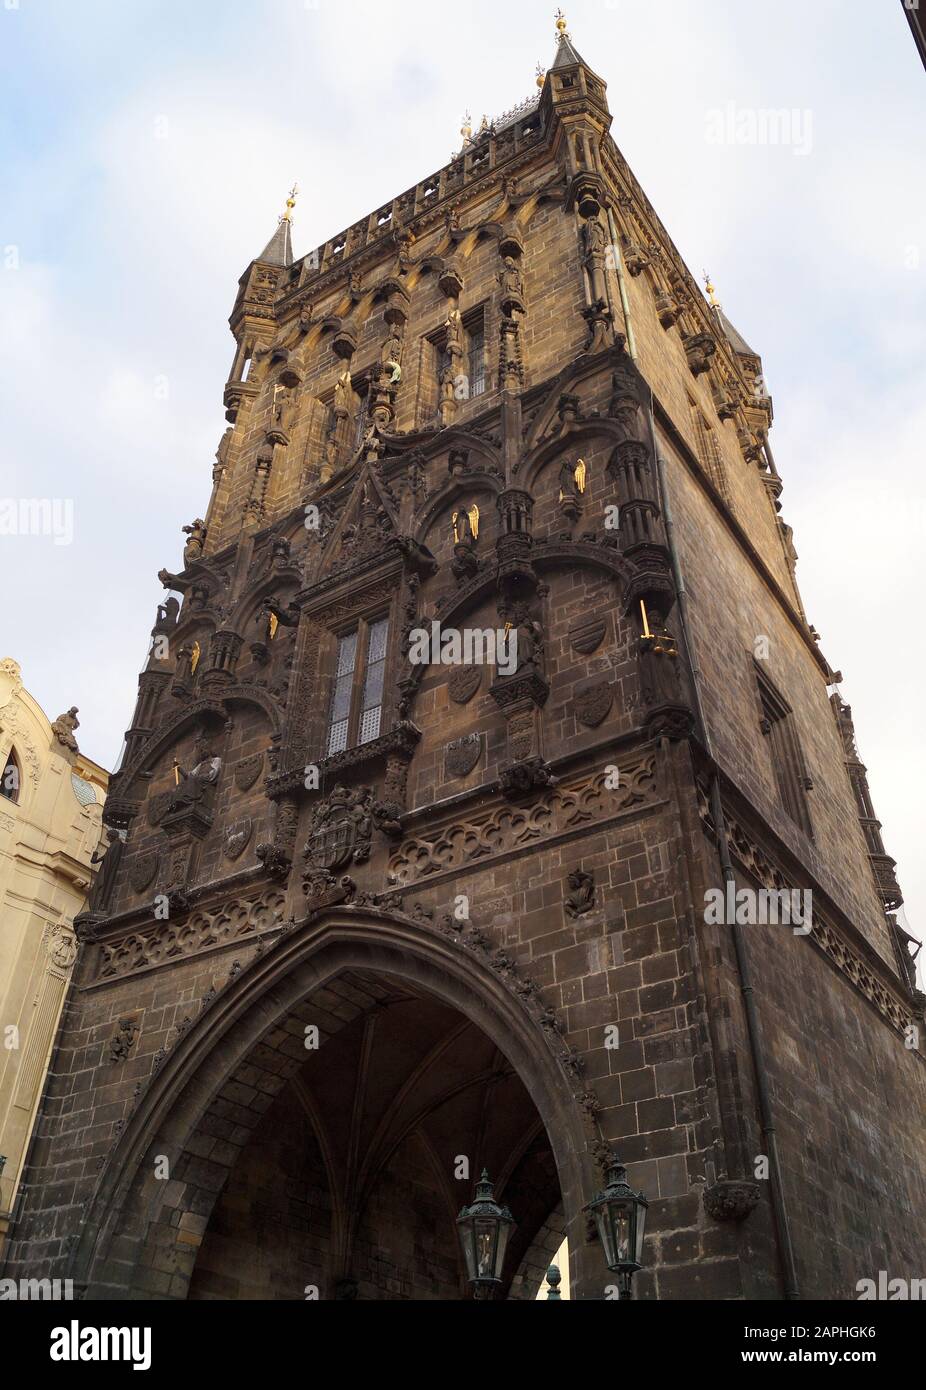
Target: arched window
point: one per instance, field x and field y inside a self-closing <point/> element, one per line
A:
<point x="10" y="779"/>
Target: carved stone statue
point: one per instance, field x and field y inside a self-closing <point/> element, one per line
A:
<point x="192" y="786"/>
<point x="448" y="400"/>
<point x="105" y="879"/>
<point x="594" y="239"/>
<point x="194" y="546"/>
<point x="464" y="527"/>
<point x="392" y="348"/>
<point x="512" y="286"/>
<point x="64" y="726"/>
<point x="581" y="897"/>
<point x="167" y="616"/>
<point x="342" y="393"/>
<point x="184" y="672"/>
<point x="221" y="453"/>
<point x="123" y="1040"/>
<point x="568" y="485"/>
<point x="454" y="327"/>
<point x="392" y="357"/>
<point x="464" y="564"/>
<point x="281" y="411"/>
<point x="529" y="636"/>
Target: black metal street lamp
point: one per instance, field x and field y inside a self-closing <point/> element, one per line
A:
<point x="484" y="1228"/>
<point x="620" y="1215"/>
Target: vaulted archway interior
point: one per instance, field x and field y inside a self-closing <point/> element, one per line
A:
<point x="352" y="1179"/>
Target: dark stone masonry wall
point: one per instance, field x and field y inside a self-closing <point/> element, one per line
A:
<point x="491" y="905"/>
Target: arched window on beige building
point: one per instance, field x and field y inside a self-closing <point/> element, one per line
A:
<point x="10" y="780"/>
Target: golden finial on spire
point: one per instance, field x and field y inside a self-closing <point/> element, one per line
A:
<point x="540" y="74"/>
<point x="466" y="129"/>
<point x="290" y="203"/>
<point x="562" y="31"/>
<point x="711" y="296"/>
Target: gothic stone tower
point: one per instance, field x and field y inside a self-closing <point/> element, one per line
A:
<point x="372" y="924"/>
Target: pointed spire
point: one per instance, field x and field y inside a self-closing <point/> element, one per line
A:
<point x="734" y="338"/>
<point x="279" y="249"/>
<point x="566" y="55"/>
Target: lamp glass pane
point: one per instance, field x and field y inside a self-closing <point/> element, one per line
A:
<point x="503" y="1233"/>
<point x="641" y="1223"/>
<point x="620" y="1215"/>
<point x="467" y="1241"/>
<point x="603" y="1221"/>
<point x="486" y="1232"/>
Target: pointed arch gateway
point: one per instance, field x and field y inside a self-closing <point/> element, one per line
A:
<point x="218" y="1097"/>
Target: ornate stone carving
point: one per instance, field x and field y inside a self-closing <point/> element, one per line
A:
<point x="276" y="862"/>
<point x="593" y="703"/>
<point x="731" y="1199"/>
<point x="667" y="308"/>
<point x="143" y="869"/>
<point x="323" y="888"/>
<point x="105" y="880"/>
<point x="522" y="733"/>
<point x="124" y="1039"/>
<point x="166" y="620"/>
<point x="446" y="848"/>
<point x="63" y="728"/>
<point x="699" y="348"/>
<point x="521" y="779"/>
<point x="247" y="771"/>
<point x="197" y="539"/>
<point x="462" y="754"/>
<point x="512" y="287"/>
<point x="510" y="364"/>
<point x="366" y="535"/>
<point x="61" y="946"/>
<point x="594" y="245"/>
<point x="281" y="414"/>
<point x="636" y="259"/>
<point x="581" y="897"/>
<point x="463" y="683"/>
<point x="237" y="837"/>
<point x="87" y="926"/>
<point x="760" y="863"/>
<point x="195" y="790"/>
<point x="342" y="830"/>
<point x="587" y="635"/>
<point x="205" y="928"/>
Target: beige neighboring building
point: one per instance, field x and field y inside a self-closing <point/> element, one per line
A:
<point x="51" y="804"/>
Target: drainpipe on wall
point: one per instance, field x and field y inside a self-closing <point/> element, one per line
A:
<point x="622" y="286"/>
<point x="747" y="988"/>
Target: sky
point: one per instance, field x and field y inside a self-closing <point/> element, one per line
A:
<point x="146" y="149"/>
